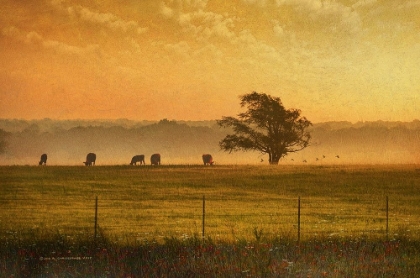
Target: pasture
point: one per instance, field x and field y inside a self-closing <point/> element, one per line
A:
<point x="252" y="208"/>
<point x="144" y="202"/>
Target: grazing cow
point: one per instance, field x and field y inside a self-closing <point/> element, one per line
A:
<point x="155" y="159"/>
<point x="207" y="159"/>
<point x="137" y="158"/>
<point x="90" y="159"/>
<point x="43" y="159"/>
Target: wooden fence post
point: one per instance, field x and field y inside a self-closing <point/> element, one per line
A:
<point x="204" y="215"/>
<point x="96" y="217"/>
<point x="95" y="257"/>
<point x="387" y="219"/>
<point x="298" y="224"/>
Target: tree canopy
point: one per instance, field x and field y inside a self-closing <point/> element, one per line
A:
<point x="266" y="126"/>
<point x="3" y="143"/>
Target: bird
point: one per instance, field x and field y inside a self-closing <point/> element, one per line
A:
<point x="305" y="161"/>
<point x="337" y="156"/>
<point x="262" y="160"/>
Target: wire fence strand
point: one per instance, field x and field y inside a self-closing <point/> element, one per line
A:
<point x="172" y="216"/>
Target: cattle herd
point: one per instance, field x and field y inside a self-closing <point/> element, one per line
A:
<point x="154" y="159"/>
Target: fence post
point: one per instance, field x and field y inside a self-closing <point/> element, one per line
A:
<point x="96" y="217"/>
<point x="387" y="219"/>
<point x="298" y="224"/>
<point x="204" y="215"/>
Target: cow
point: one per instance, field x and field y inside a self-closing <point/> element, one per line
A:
<point x="155" y="159"/>
<point x="90" y="159"/>
<point x="207" y="159"/>
<point x="43" y="159"/>
<point x="137" y="158"/>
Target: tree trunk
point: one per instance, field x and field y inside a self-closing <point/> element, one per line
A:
<point x="274" y="158"/>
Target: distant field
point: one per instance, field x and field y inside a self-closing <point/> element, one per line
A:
<point x="241" y="202"/>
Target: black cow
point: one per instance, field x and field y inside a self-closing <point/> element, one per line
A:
<point x="207" y="159"/>
<point x="90" y="159"/>
<point x="155" y="159"/>
<point x="43" y="159"/>
<point x="137" y="158"/>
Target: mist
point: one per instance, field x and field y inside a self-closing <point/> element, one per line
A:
<point x="115" y="142"/>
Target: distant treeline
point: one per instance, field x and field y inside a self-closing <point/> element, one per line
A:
<point x="49" y="125"/>
<point x="116" y="141"/>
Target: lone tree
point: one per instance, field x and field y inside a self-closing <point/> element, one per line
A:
<point x="266" y="127"/>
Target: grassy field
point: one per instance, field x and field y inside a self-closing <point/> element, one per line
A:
<point x="253" y="209"/>
<point x="156" y="202"/>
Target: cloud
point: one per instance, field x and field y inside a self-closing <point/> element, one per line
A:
<point x="215" y="24"/>
<point x="16" y="34"/>
<point x="363" y="3"/>
<point x="11" y="32"/>
<point x="199" y="23"/>
<point x="209" y="50"/>
<point x="33" y="38"/>
<point x="410" y="4"/>
<point x="277" y="29"/>
<point x="69" y="49"/>
<point x="178" y="8"/>
<point x="166" y="11"/>
<point x="186" y="5"/>
<point x="182" y="49"/>
<point x="107" y="20"/>
<point x="260" y="3"/>
<point x="333" y="15"/>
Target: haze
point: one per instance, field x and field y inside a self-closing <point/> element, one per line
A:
<point x="352" y="60"/>
<point x="116" y="142"/>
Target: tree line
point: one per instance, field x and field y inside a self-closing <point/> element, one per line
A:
<point x="375" y="142"/>
<point x="266" y="128"/>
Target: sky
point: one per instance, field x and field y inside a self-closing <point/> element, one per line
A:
<point x="343" y="60"/>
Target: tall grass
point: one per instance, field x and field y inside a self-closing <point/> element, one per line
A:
<point x="157" y="202"/>
<point x="150" y="221"/>
<point x="65" y="256"/>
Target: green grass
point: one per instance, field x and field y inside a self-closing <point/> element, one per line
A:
<point x="142" y="203"/>
<point x="150" y="221"/>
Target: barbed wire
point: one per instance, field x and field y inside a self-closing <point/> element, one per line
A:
<point x="315" y="212"/>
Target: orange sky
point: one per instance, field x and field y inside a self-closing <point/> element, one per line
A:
<point x="355" y="60"/>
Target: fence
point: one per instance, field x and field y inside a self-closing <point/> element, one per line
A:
<point x="214" y="217"/>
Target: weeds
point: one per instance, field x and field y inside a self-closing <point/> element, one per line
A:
<point x="257" y="233"/>
<point x="151" y="219"/>
<point x="63" y="256"/>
